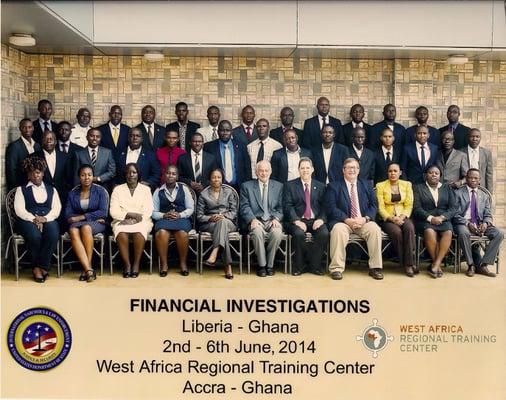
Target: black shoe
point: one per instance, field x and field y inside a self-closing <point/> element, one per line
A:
<point x="270" y="271"/>
<point x="184" y="272"/>
<point x="134" y="274"/>
<point x="209" y="264"/>
<point x="483" y="270"/>
<point x="318" y="272"/>
<point x="336" y="275"/>
<point x="126" y="274"/>
<point x="91" y="275"/>
<point x="376" y="273"/>
<point x="261" y="272"/>
<point x="82" y="277"/>
<point x="163" y="273"/>
<point x="296" y="273"/>
<point x="432" y="273"/>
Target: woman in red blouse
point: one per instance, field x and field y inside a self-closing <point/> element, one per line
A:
<point x="170" y="152"/>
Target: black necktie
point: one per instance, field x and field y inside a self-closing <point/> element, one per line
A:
<point x="389" y="159"/>
<point x="423" y="156"/>
<point x="46" y="126"/>
<point x="197" y="168"/>
<point x="64" y="147"/>
<point x="93" y="157"/>
<point x="260" y="155"/>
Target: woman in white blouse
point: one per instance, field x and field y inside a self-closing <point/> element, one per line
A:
<point x="37" y="207"/>
<point x="131" y="209"/>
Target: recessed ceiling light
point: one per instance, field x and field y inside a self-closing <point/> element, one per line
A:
<point x="457" y="59"/>
<point x="22" y="39"/>
<point x="153" y="56"/>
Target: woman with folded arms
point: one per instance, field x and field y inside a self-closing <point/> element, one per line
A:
<point x="216" y="212"/>
<point x="395" y="204"/>
<point x="433" y="210"/>
<point x="173" y="207"/>
<point x="37" y="207"/>
<point x="86" y="212"/>
<point x="131" y="209"/>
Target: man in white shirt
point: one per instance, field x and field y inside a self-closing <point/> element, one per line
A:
<point x="210" y="132"/>
<point x="262" y="148"/>
<point x="81" y="127"/>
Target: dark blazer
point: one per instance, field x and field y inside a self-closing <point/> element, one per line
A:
<point x="311" y="136"/>
<point x="399" y="134"/>
<point x="239" y="134"/>
<point x="337" y="156"/>
<point x="16" y="152"/>
<point x="185" y="168"/>
<point x="338" y="204"/>
<point x="367" y="163"/>
<point x="158" y="136"/>
<point x="412" y="170"/>
<point x="277" y="134"/>
<point x="73" y="148"/>
<point x="294" y="200"/>
<point x="62" y="178"/>
<point x="149" y="168"/>
<point x="434" y="138"/>
<point x="98" y="206"/>
<point x="460" y="135"/>
<point x="38" y="131"/>
<point x="191" y="128"/>
<point x="381" y="165"/>
<point x="105" y="166"/>
<point x="454" y="168"/>
<point x="279" y="163"/>
<point x="486" y="164"/>
<point x="241" y="159"/>
<point x="424" y="206"/>
<point x="107" y="141"/>
<point x="348" y="131"/>
<point x="250" y="205"/>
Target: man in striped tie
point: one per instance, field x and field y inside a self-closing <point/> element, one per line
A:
<point x="351" y="208"/>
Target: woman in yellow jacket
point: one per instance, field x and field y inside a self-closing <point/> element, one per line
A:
<point x="395" y="203"/>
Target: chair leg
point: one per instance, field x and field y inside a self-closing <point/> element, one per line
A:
<point x="201" y="254"/>
<point x="16" y="259"/>
<point x="111" y="255"/>
<point x="249" y="254"/>
<point x="240" y="256"/>
<point x="101" y="256"/>
<point x="151" y="257"/>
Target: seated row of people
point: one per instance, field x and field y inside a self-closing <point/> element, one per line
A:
<point x="266" y="208"/>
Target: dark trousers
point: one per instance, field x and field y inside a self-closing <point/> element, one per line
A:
<point x="40" y="245"/>
<point x="473" y="255"/>
<point x="307" y="253"/>
<point x="403" y="240"/>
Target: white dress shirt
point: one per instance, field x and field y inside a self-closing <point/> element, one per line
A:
<point x="309" y="189"/>
<point x="348" y="186"/>
<point x="435" y="195"/>
<point x="474" y="157"/>
<point x="270" y="146"/>
<point x="111" y="127"/>
<point x="133" y="155"/>
<point x="78" y="134"/>
<point x="207" y="132"/>
<point x="28" y="144"/>
<point x="385" y="151"/>
<point x="40" y="196"/>
<point x="426" y="151"/>
<point x="146" y="126"/>
<point x="194" y="157"/>
<point x="50" y="161"/>
<point x="293" y="158"/>
<point x="355" y="125"/>
<point x="323" y="120"/>
<point x="327" y="153"/>
<point x="67" y="144"/>
<point x="359" y="152"/>
<point x="50" y="126"/>
<point x="468" y="211"/>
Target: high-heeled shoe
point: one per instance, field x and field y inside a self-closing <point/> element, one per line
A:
<point x="134" y="274"/>
<point x="228" y="273"/>
<point x="184" y="271"/>
<point x="208" y="263"/>
<point x="91" y="275"/>
<point x="432" y="272"/>
<point x="126" y="274"/>
<point x="163" y="273"/>
<point x="38" y="276"/>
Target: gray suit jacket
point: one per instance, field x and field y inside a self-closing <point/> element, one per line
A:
<point x="105" y="167"/>
<point x="455" y="168"/>
<point x="486" y="165"/>
<point x="251" y="206"/>
<point x="483" y="203"/>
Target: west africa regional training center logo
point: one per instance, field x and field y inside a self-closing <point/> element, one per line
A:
<point x="39" y="339"/>
<point x="375" y="338"/>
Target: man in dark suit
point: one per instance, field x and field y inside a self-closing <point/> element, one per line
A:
<point x="363" y="155"/>
<point x="195" y="166"/>
<point x="452" y="163"/>
<point x="389" y="114"/>
<point x="285" y="161"/>
<point x="144" y="157"/>
<point x="303" y="207"/>
<point x="313" y="126"/>
<point x="385" y="156"/>
<point x="100" y="158"/>
<point x="351" y="208"/>
<point x="63" y="131"/>
<point x="357" y="120"/>
<point x="422" y="116"/>
<point x="231" y="155"/>
<point x="114" y="133"/>
<point x="58" y="172"/>
<point x="286" y="115"/>
<point x="474" y="217"/>
<point x="247" y="131"/>
<point x="16" y="152"/>
<point x="418" y="156"/>
<point x="44" y="122"/>
<point x="153" y="135"/>
<point x="328" y="157"/>
<point x="480" y="158"/>
<point x="261" y="210"/>
<point x="459" y="131"/>
<point x="185" y="127"/>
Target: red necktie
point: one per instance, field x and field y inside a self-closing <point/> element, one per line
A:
<point x="307" y="199"/>
<point x="353" y="205"/>
<point x="248" y="131"/>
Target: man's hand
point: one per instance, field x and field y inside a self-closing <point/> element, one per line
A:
<point x="317" y="224"/>
<point x="301" y="225"/>
<point x="276" y="223"/>
<point x="255" y="223"/>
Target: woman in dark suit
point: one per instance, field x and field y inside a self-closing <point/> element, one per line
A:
<point x="37" y="207"/>
<point x="216" y="213"/>
<point x="85" y="212"/>
<point x="173" y="207"/>
<point x="434" y="207"/>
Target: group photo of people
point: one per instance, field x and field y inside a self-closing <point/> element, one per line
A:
<point x="401" y="192"/>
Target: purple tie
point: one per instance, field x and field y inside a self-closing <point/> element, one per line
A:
<point x="474" y="208"/>
<point x="307" y="199"/>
